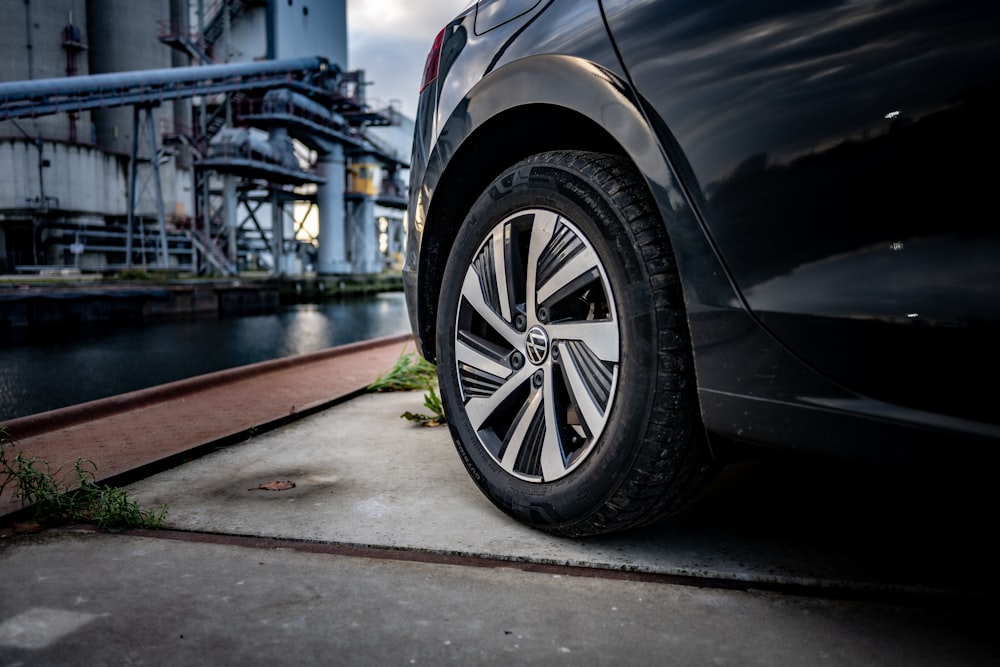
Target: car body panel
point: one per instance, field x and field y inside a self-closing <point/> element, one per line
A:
<point x="841" y="133"/>
<point x="767" y="373"/>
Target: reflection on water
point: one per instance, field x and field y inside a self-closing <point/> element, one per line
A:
<point x="67" y="370"/>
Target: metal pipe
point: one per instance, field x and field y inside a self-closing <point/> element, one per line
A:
<point x="45" y="96"/>
<point x="113" y="81"/>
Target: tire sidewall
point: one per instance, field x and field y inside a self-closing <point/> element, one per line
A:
<point x="588" y="486"/>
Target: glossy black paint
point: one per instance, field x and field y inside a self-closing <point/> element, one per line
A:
<point x="817" y="165"/>
<point x="845" y="135"/>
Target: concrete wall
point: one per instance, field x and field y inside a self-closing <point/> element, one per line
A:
<point x="124" y="36"/>
<point x="311" y="28"/>
<point x="31" y="47"/>
<point x="248" y="37"/>
<point x="302" y="28"/>
<point x="84" y="180"/>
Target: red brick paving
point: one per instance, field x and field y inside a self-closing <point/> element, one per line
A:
<point x="122" y="433"/>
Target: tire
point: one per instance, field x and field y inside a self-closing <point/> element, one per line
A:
<point x="564" y="361"/>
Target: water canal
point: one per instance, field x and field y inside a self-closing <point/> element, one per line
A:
<point x="61" y="368"/>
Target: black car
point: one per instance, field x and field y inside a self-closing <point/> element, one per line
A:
<point x="641" y="229"/>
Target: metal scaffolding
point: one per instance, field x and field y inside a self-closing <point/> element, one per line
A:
<point x="302" y="98"/>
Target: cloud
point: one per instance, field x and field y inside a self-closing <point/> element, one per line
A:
<point x="398" y="18"/>
<point x="389" y="40"/>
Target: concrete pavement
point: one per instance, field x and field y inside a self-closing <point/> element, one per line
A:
<point x="385" y="553"/>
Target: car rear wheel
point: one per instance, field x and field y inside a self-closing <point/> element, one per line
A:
<point x="564" y="360"/>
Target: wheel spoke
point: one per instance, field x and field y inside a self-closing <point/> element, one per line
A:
<point x="480" y="358"/>
<point x="501" y="263"/>
<point x="553" y="461"/>
<point x="582" y="267"/>
<point x="601" y="336"/>
<point x="543" y="226"/>
<point x="472" y="291"/>
<point x="480" y="408"/>
<point x="590" y="383"/>
<point x="564" y="263"/>
<point x="520" y="451"/>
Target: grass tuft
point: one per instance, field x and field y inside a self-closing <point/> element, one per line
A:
<point x="35" y="486"/>
<point x="408" y="373"/>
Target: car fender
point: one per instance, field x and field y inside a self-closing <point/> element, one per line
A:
<point x="604" y="98"/>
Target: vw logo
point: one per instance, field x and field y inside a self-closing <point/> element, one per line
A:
<point x="536" y="345"/>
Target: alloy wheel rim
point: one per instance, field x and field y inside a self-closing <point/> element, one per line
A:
<point x="537" y="346"/>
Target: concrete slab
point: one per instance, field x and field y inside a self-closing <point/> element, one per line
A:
<point x="365" y="477"/>
<point x="118" y="599"/>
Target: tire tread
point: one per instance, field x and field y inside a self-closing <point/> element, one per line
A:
<point x="674" y="463"/>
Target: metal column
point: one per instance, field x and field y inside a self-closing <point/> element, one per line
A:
<point x="277" y="232"/>
<point x="332" y="252"/>
<point x="363" y="234"/>
<point x="149" y="131"/>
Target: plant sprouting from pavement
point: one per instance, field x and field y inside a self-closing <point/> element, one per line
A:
<point x="433" y="403"/>
<point x="52" y="502"/>
<point x="410" y="372"/>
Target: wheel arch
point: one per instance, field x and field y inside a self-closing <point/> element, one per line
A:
<point x="549" y="103"/>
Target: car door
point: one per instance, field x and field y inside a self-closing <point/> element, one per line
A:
<point x="841" y="156"/>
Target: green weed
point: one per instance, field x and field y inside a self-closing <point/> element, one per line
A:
<point x="408" y="373"/>
<point x="54" y="502"/>
<point x="433" y="403"/>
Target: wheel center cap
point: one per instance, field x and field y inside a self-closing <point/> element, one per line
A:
<point x="536" y="345"/>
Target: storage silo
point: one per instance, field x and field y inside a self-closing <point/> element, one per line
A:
<point x="124" y="36"/>
<point x="45" y="40"/>
<point x="311" y="28"/>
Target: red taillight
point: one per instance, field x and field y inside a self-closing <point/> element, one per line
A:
<point x="433" y="61"/>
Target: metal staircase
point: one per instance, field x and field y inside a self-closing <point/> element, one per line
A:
<point x="200" y="46"/>
<point x="211" y="252"/>
<point x="215" y="17"/>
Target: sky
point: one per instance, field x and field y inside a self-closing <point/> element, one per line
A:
<point x="389" y="40"/>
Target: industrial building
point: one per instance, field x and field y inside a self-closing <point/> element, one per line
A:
<point x="209" y="137"/>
